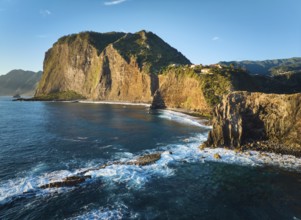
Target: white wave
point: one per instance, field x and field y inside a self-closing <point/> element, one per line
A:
<point x="118" y="211"/>
<point x="29" y="185"/>
<point x="40" y="167"/>
<point x="135" y="177"/>
<point x="190" y="152"/>
<point x="106" y="146"/>
<point x="131" y="175"/>
<point x="182" y="118"/>
<point x="114" y="103"/>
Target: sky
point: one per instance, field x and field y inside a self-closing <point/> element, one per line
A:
<point x="205" y="31"/>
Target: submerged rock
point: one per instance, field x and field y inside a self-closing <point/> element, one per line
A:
<point x="66" y="182"/>
<point x="81" y="177"/>
<point x="217" y="156"/>
<point x="146" y="159"/>
<point x="202" y="146"/>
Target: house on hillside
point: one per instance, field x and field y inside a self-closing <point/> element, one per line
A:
<point x="206" y="71"/>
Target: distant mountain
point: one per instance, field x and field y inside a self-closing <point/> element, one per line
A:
<point x="269" y="67"/>
<point x="19" y="82"/>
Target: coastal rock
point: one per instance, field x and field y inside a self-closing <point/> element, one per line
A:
<point x="180" y="91"/>
<point x="268" y="122"/>
<point x="110" y="66"/>
<point x="217" y="156"/>
<point x="146" y="159"/>
<point x="81" y="177"/>
<point x="66" y="182"/>
<point x="199" y="88"/>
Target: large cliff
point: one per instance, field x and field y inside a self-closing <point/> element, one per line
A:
<point x="199" y="88"/>
<point x="186" y="87"/>
<point x="110" y="66"/>
<point x="261" y="121"/>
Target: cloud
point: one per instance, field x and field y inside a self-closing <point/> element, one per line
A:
<point x="45" y="12"/>
<point x="215" y="38"/>
<point x="114" y="2"/>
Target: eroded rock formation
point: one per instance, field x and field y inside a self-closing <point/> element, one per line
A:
<point x="269" y="122"/>
<point x="181" y="91"/>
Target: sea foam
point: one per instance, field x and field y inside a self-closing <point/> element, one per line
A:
<point x="116" y="211"/>
<point x="135" y="177"/>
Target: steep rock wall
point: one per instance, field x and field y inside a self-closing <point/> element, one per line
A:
<point x="180" y="91"/>
<point x="107" y="76"/>
<point x="257" y="120"/>
<point x="122" y="81"/>
<point x="110" y="66"/>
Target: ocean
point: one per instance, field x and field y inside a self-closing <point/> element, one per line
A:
<point x="44" y="142"/>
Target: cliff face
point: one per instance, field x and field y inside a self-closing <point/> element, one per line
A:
<point x="200" y="88"/>
<point x="256" y="120"/>
<point x="194" y="88"/>
<point x="111" y="66"/>
<point x="181" y="91"/>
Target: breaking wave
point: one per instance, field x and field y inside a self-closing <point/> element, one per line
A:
<point x="135" y="177"/>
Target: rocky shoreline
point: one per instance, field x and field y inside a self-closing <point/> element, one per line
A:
<point x="257" y="121"/>
<point x="243" y="121"/>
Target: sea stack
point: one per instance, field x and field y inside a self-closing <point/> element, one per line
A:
<point x="270" y="122"/>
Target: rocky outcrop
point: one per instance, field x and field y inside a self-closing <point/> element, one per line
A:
<point x="81" y="177"/>
<point x="146" y="159"/>
<point x="110" y="66"/>
<point x="194" y="88"/>
<point x="200" y="88"/>
<point x="261" y="121"/>
<point x="181" y="91"/>
<point x="66" y="182"/>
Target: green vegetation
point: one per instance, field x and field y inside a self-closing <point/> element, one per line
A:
<point x="217" y="81"/>
<point x="288" y="68"/>
<point x="99" y="40"/>
<point x="180" y="70"/>
<point x="268" y="67"/>
<point x="60" y="96"/>
<point x="214" y="83"/>
<point x="150" y="52"/>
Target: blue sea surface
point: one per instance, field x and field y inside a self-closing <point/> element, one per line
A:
<point x="44" y="142"/>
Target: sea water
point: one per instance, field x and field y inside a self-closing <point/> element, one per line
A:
<point x="44" y="142"/>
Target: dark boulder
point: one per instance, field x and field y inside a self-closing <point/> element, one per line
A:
<point x="66" y="182"/>
<point x="146" y="159"/>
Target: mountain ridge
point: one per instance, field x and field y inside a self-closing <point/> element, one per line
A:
<point x="270" y="67"/>
<point x="18" y="81"/>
